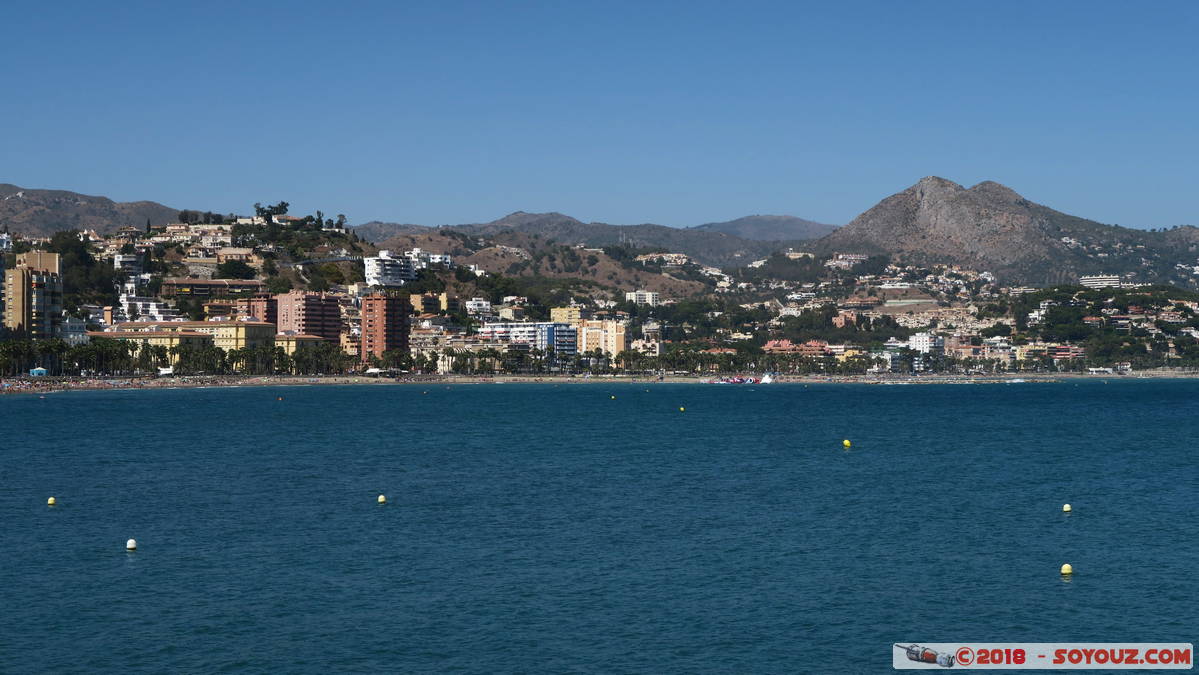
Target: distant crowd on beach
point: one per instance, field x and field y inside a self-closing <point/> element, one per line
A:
<point x="42" y="385"/>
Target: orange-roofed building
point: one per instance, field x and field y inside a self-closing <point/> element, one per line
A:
<point x="780" y="347"/>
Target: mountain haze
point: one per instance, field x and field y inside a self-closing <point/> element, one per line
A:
<point x="707" y="246"/>
<point x="770" y="228"/>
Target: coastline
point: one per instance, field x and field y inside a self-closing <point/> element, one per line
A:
<point x="38" y="385"/>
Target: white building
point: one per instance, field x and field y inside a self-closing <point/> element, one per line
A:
<point x="926" y="343"/>
<point x="422" y="259"/>
<point x="5" y="241"/>
<point x="544" y="335"/>
<point x="74" y="330"/>
<point x="128" y="263"/>
<point x="642" y="298"/>
<point x="477" y="306"/>
<point x="884" y="361"/>
<point x="1100" y="281"/>
<point x="132" y="306"/>
<point x="647" y="347"/>
<point x="845" y="260"/>
<point x="386" y="270"/>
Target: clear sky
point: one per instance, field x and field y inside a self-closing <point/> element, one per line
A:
<point x="622" y="112"/>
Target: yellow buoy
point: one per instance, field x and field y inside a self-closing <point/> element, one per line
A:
<point x="1066" y="508"/>
<point x="846" y="443"/>
<point x="382" y="499"/>
<point x="51" y="501"/>
<point x="682" y="409"/>
<point x="1067" y="569"/>
<point x="131" y="545"/>
<point x="613" y="398"/>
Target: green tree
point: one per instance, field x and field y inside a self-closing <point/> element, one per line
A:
<point x="84" y="279"/>
<point x="277" y="285"/>
<point x="234" y="269"/>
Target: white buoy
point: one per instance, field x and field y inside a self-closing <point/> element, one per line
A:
<point x="382" y="499"/>
<point x="51" y="501"/>
<point x="131" y="545"/>
<point x="1066" y="508"/>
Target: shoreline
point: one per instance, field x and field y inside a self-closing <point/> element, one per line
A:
<point x="37" y="385"/>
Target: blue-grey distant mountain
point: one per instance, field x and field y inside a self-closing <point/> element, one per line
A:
<point x="770" y="228"/>
<point x="709" y="246"/>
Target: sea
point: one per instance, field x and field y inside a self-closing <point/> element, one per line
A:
<point x="590" y="528"/>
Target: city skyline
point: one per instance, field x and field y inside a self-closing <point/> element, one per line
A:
<point x="678" y="115"/>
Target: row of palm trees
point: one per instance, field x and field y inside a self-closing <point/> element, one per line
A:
<point x="102" y="356"/>
<point x="689" y="360"/>
<point x="58" y="357"/>
<point x="116" y="357"/>
<point x="319" y="359"/>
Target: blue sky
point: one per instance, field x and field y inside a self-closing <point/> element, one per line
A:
<point x="675" y="113"/>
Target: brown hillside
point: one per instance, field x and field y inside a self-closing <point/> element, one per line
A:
<point x="44" y="212"/>
<point x="519" y="254"/>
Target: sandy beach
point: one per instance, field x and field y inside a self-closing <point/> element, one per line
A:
<point x="45" y="385"/>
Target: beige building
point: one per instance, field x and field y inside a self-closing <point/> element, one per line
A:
<point x="450" y="303"/>
<point x="40" y="260"/>
<point x="571" y="315"/>
<point x="227" y="335"/>
<point x="606" y="336"/>
<point x="32" y="296"/>
<point x="427" y="303"/>
<point x="246" y="255"/>
<point x="169" y="339"/>
<point x="293" y="343"/>
<point x="512" y="313"/>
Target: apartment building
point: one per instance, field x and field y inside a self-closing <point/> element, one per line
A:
<point x="33" y="296"/>
<point x="308" y="313"/>
<point x="562" y="338"/>
<point x="385" y="325"/>
<point x="606" y="336"/>
<point x="387" y="270"/>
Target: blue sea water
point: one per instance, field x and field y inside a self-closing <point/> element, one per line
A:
<point x="539" y="528"/>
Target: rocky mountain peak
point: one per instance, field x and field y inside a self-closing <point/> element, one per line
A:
<point x="997" y="191"/>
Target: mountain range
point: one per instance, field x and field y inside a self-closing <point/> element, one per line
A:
<point x="985" y="227"/>
<point x="713" y="244"/>
<point x="44" y="212"/>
